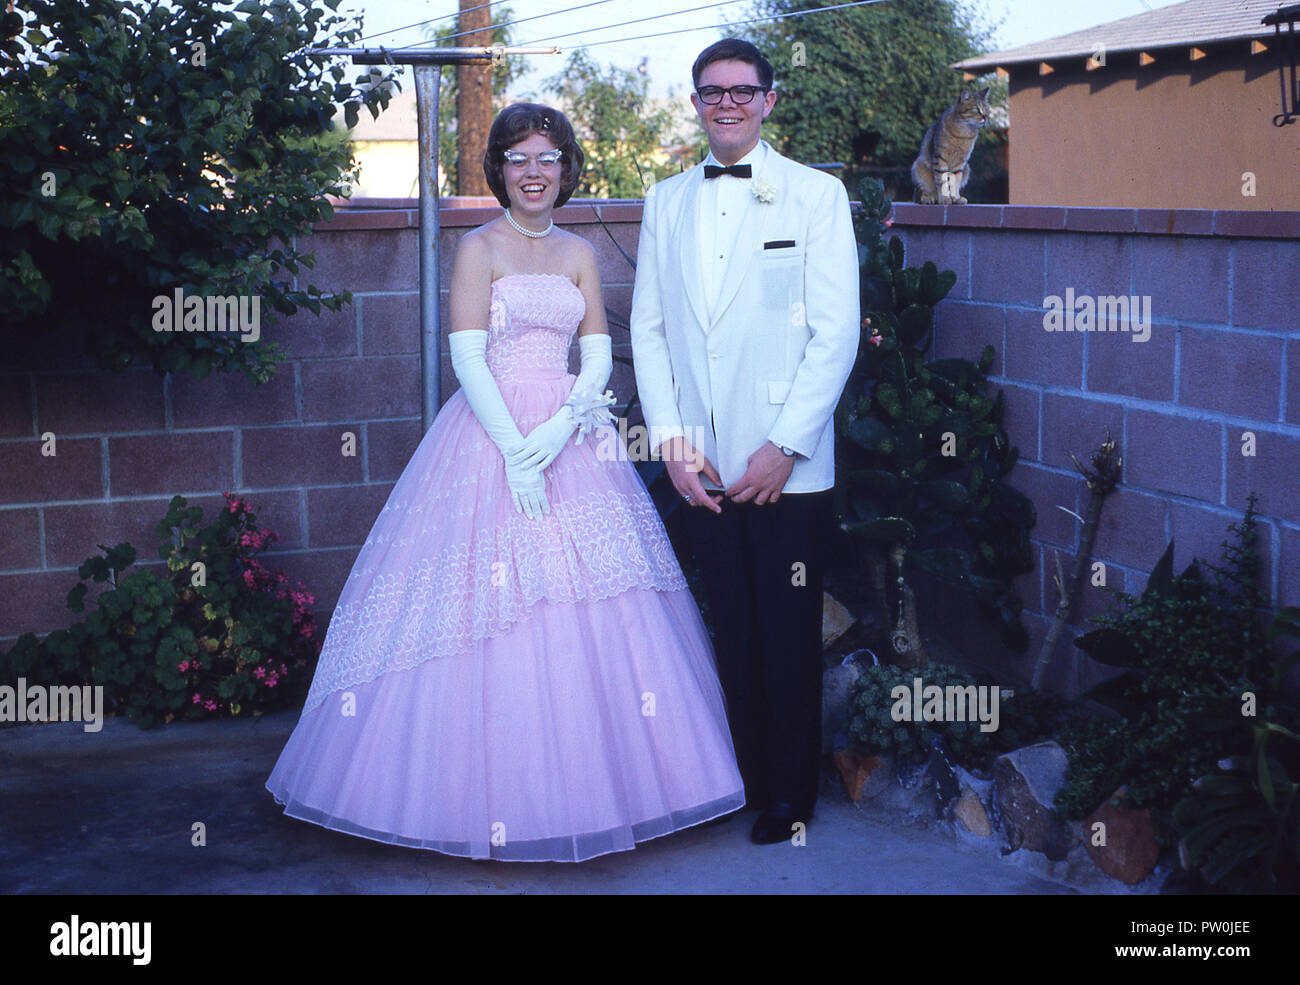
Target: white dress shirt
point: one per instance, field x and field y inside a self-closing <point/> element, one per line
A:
<point x="722" y="204"/>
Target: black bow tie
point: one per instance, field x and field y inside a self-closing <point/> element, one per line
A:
<point x="736" y="170"/>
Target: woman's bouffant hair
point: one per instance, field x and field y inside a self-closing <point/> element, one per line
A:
<point x="519" y="121"/>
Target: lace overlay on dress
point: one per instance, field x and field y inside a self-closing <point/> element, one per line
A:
<point x="449" y="562"/>
<point x="530" y="326"/>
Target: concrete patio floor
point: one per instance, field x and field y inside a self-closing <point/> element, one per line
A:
<point x="112" y="813"/>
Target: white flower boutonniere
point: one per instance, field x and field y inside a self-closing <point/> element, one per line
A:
<point x="764" y="191"/>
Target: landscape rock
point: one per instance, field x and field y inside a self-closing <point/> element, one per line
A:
<point x="837" y="688"/>
<point x="865" y="775"/>
<point x="1130" y="852"/>
<point x="1027" y="780"/>
<point x="914" y="793"/>
<point x="947" y="788"/>
<point x="836" y="620"/>
<point x="970" y="813"/>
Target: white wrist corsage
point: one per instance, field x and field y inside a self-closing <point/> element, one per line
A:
<point x="590" y="410"/>
<point x="764" y="191"/>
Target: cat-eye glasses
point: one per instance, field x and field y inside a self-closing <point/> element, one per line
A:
<point x="712" y="95"/>
<point x="546" y="159"/>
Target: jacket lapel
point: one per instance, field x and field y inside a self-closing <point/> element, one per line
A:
<point x="749" y="237"/>
<point x="689" y="247"/>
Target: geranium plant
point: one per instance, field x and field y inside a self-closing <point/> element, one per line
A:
<point x="216" y="633"/>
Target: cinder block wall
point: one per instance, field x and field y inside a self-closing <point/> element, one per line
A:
<point x="1223" y="359"/>
<point x="127" y="442"/>
<point x="1222" y="363"/>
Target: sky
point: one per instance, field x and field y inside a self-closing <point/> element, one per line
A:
<point x="667" y="59"/>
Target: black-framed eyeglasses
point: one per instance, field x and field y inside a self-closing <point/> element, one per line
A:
<point x="712" y="95"/>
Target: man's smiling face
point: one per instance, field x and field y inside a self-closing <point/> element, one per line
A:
<point x="733" y="128"/>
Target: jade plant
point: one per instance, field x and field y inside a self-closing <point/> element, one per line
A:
<point x="923" y="456"/>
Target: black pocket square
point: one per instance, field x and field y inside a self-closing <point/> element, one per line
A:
<point x="778" y="244"/>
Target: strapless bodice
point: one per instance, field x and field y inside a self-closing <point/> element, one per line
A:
<point x="531" y="322"/>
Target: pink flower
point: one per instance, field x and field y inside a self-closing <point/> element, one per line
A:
<point x="888" y="223"/>
<point x="248" y="579"/>
<point x="875" y="339"/>
<point x="259" y="673"/>
<point x="210" y="705"/>
<point x="196" y="699"/>
<point x="270" y="681"/>
<point x="183" y="666"/>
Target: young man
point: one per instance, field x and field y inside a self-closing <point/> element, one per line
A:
<point x="744" y="330"/>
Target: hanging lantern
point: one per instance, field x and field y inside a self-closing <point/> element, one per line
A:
<point x="1286" y="61"/>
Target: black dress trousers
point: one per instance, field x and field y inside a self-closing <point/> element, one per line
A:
<point x="762" y="568"/>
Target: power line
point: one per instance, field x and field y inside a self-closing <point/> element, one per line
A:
<point x="710" y="27"/>
<point x="534" y="17"/>
<point x="519" y="20"/>
<point x="639" y="20"/>
<point x="441" y="17"/>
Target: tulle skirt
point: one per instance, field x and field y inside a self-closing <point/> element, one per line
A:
<point x="498" y="687"/>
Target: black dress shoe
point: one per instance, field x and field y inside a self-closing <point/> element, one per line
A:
<point x="776" y="824"/>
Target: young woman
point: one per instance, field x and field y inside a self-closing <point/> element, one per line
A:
<point x="516" y="669"/>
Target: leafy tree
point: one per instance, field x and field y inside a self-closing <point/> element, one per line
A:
<point x="504" y="73"/>
<point x="620" y="132"/>
<point x="146" y="148"/>
<point x="861" y="85"/>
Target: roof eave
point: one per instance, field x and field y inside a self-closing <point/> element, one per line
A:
<point x="990" y="62"/>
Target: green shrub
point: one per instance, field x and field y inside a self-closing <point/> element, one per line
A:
<point x="216" y="634"/>
<point x="1240" y="826"/>
<point x="1190" y="648"/>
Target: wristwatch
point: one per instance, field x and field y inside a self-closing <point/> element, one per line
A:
<point x="787" y="452"/>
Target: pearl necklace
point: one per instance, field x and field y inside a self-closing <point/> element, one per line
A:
<point x="550" y="224"/>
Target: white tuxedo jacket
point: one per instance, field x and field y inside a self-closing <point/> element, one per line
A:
<point x="771" y="362"/>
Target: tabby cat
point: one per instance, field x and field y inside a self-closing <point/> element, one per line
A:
<point x="941" y="170"/>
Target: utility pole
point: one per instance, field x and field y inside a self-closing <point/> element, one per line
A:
<point x="473" y="99"/>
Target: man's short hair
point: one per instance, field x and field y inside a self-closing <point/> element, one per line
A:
<point x="737" y="50"/>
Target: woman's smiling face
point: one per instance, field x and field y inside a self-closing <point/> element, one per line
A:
<point x="534" y="186"/>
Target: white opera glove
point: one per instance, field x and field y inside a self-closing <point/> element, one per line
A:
<point x="583" y="410"/>
<point x="469" y="361"/>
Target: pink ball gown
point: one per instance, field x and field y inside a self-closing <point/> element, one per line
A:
<point x="498" y="687"/>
